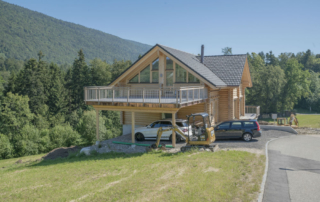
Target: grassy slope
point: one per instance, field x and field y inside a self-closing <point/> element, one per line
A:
<point x="220" y="176"/>
<point x="23" y="33"/>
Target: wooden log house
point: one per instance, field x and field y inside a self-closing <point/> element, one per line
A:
<point x="166" y="82"/>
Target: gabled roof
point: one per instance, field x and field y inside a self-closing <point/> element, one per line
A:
<point x="229" y="68"/>
<point x="219" y="71"/>
<point x="192" y="62"/>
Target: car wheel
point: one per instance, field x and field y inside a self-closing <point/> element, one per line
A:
<point x="178" y="138"/>
<point x="139" y="136"/>
<point x="247" y="137"/>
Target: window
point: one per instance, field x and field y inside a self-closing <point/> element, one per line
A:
<point x="192" y="79"/>
<point x="169" y="63"/>
<point x="182" y="124"/>
<point x="155" y="124"/>
<point x="135" y="79"/>
<point x="155" y="77"/>
<point x="236" y="125"/>
<point x="224" y="126"/>
<point x="169" y="78"/>
<point x="155" y="64"/>
<point x="181" y="74"/>
<point x="249" y="124"/>
<point x="166" y="124"/>
<point x="145" y="75"/>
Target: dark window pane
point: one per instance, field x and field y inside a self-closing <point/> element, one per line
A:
<point x="145" y="75"/>
<point x="155" y="64"/>
<point x="169" y="63"/>
<point x="169" y="78"/>
<point x="156" y="124"/>
<point x="236" y="125"/>
<point x="249" y="124"/>
<point x="166" y="124"/>
<point x="155" y="77"/>
<point x="224" y="126"/>
<point x="134" y="79"/>
<point x="181" y="74"/>
<point x="192" y="79"/>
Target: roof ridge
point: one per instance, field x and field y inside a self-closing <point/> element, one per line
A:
<point x="220" y="55"/>
<point x="175" y="49"/>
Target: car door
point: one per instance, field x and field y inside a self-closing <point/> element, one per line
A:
<point x="166" y="125"/>
<point x="152" y="131"/>
<point x="221" y="131"/>
<point x="235" y="130"/>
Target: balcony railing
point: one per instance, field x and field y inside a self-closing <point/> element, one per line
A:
<point x="253" y="110"/>
<point x="145" y="95"/>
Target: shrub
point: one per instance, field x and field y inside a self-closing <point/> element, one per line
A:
<point x="5" y="147"/>
<point x="26" y="143"/>
<point x="63" y="136"/>
<point x="87" y="127"/>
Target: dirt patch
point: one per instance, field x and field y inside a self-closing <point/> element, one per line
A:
<point x="61" y="152"/>
<point x="211" y="169"/>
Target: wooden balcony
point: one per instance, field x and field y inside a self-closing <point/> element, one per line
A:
<point x="125" y="96"/>
<point x="251" y="112"/>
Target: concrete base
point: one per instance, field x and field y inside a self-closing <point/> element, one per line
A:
<point x="126" y="128"/>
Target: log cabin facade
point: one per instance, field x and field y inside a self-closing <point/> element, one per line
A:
<point x="169" y="83"/>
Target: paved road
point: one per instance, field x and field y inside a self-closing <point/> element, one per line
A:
<point x="294" y="169"/>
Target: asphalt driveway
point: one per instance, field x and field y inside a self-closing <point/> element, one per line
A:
<point x="257" y="143"/>
<point x="294" y="169"/>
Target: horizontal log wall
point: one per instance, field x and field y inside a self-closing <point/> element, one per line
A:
<point x="223" y="105"/>
<point x="141" y="118"/>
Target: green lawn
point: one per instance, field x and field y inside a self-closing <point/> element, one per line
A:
<point x="157" y="176"/>
<point x="311" y="121"/>
<point x="305" y="120"/>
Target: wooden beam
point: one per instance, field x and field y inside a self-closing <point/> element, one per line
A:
<point x="136" y="109"/>
<point x="97" y="124"/>
<point x="173" y="139"/>
<point x="132" y="126"/>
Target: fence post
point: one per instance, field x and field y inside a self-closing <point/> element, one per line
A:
<point x="112" y="95"/>
<point x="98" y="95"/>
<point x="143" y="95"/>
<point x="193" y="94"/>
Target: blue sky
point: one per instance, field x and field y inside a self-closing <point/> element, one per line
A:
<point x="246" y="26"/>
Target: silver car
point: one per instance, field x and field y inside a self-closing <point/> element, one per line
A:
<point x="150" y="131"/>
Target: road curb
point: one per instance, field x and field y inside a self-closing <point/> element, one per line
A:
<point x="264" y="179"/>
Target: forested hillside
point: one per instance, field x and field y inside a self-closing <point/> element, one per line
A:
<point x="23" y="33"/>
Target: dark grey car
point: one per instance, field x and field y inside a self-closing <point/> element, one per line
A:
<point x="245" y="129"/>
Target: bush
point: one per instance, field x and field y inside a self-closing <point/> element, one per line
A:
<point x="63" y="136"/>
<point x="87" y="127"/>
<point x="27" y="142"/>
<point x="5" y="147"/>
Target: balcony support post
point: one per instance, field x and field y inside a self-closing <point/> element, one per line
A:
<point x="132" y="126"/>
<point x="180" y="96"/>
<point x="128" y="89"/>
<point x="97" y="124"/>
<point x="143" y="91"/>
<point x="173" y="138"/>
<point x="112" y="96"/>
<point x="193" y="94"/>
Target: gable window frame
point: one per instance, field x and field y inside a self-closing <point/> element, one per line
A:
<point x="154" y="71"/>
<point x="183" y="69"/>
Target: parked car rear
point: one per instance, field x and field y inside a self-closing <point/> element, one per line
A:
<point x="245" y="129"/>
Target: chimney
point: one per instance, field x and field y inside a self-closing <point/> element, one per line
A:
<point x="202" y="53"/>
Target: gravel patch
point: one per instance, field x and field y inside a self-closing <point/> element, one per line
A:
<point x="308" y="131"/>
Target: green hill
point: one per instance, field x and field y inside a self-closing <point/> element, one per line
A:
<point x="23" y="33"/>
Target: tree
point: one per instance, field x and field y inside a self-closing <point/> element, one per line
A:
<point x="15" y="114"/>
<point x="100" y="71"/>
<point x="296" y="84"/>
<point x="271" y="59"/>
<point x="80" y="78"/>
<point x="227" y="51"/>
<point x="118" y="67"/>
